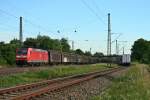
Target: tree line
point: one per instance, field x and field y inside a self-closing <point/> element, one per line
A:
<point x="141" y="51"/>
<point x="8" y="50"/>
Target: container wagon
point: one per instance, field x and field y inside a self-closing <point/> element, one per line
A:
<point x="126" y="59"/>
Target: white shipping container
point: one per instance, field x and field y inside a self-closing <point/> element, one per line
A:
<point x="126" y="59"/>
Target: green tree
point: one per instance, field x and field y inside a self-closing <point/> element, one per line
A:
<point x="2" y="60"/>
<point x="44" y="42"/>
<point x="15" y="41"/>
<point x="98" y="54"/>
<point x="8" y="51"/>
<point x="56" y="44"/>
<point x="64" y="44"/>
<point x="79" y="51"/>
<point x="141" y="51"/>
<point x="30" y="42"/>
<point x="87" y="53"/>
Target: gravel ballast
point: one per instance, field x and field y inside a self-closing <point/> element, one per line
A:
<point x="84" y="90"/>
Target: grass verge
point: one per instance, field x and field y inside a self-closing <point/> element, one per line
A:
<point x="54" y="72"/>
<point x="134" y="85"/>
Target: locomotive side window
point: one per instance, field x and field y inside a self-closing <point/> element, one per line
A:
<point x="22" y="52"/>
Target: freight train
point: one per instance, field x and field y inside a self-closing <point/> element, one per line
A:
<point x="32" y="56"/>
<point x="124" y="59"/>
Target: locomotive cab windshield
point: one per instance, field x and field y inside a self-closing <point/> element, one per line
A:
<point x="22" y="52"/>
<point x="21" y="56"/>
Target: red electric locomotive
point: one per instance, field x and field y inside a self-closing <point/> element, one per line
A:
<point x="31" y="56"/>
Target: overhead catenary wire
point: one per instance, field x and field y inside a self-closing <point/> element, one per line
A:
<point x="116" y="38"/>
<point x="93" y="11"/>
<point x="5" y="27"/>
<point x="9" y="14"/>
<point x="36" y="25"/>
<point x="98" y="8"/>
<point x="26" y="21"/>
<point x="39" y="27"/>
<point x="4" y="24"/>
<point x="31" y="22"/>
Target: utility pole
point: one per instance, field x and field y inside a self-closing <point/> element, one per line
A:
<point x="116" y="48"/>
<point x="122" y="47"/>
<point x="109" y="41"/>
<point x="123" y="51"/>
<point x="109" y="37"/>
<point x="61" y="48"/>
<point x="91" y="50"/>
<point x="72" y="45"/>
<point x="20" y="32"/>
<point x="39" y="34"/>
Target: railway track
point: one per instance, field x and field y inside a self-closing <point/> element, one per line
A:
<point x="15" y="70"/>
<point x="30" y="91"/>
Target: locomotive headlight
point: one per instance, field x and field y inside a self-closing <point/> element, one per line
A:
<point x="24" y="56"/>
<point x="21" y="56"/>
<point x="18" y="56"/>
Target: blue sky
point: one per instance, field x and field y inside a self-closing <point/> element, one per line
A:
<point x="128" y="17"/>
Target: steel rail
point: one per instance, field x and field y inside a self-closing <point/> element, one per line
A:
<point x="65" y="83"/>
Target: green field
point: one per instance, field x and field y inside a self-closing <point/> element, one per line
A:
<point x="134" y="85"/>
<point x="54" y="72"/>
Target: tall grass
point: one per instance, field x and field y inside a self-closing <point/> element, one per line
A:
<point x="29" y="77"/>
<point x="134" y="85"/>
